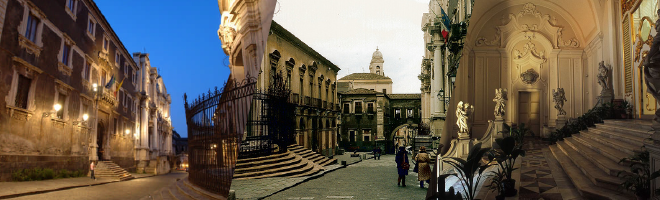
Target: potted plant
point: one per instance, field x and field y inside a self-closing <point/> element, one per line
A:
<point x="496" y="183"/>
<point x="470" y="170"/>
<point x="638" y="180"/>
<point x="506" y="158"/>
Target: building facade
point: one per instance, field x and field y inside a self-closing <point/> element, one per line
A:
<point x="374" y="80"/>
<point x="63" y="65"/>
<point x="312" y="80"/>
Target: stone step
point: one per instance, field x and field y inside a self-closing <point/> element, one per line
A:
<point x="298" y="164"/>
<point x="597" y="176"/>
<point x="637" y="130"/>
<point x="605" y="150"/>
<point x="625" y="147"/>
<point x="638" y="123"/>
<point x="329" y="162"/>
<point x="248" y="160"/>
<point x="581" y="181"/>
<point x="282" y="163"/>
<point x="307" y="167"/>
<point x="289" y="156"/>
<point x="628" y="136"/>
<point x="606" y="164"/>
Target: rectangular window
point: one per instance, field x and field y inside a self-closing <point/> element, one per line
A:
<point x="65" y="54"/>
<point x="23" y="91"/>
<point x="61" y="100"/>
<point x="86" y="71"/>
<point x="366" y="138"/>
<point x="347" y="108"/>
<point x="134" y="77"/>
<point x="370" y="108"/>
<point x="410" y="113"/>
<point x="71" y="5"/>
<point x="397" y="113"/>
<point x="91" y="25"/>
<point x="358" y="107"/>
<point x="125" y="69"/>
<point x="121" y="97"/>
<point x="106" y="44"/>
<point x="31" y="31"/>
<point x="117" y="58"/>
<point x="351" y="136"/>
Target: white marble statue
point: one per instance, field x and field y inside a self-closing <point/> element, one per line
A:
<point x="603" y="77"/>
<point x="652" y="68"/>
<point x="500" y="102"/>
<point x="463" y="112"/>
<point x="559" y="98"/>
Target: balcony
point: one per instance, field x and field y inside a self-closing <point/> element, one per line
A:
<point x="295" y="98"/>
<point x="307" y="101"/>
<point x="316" y="102"/>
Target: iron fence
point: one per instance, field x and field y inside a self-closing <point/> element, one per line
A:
<point x="270" y="126"/>
<point x="215" y="127"/>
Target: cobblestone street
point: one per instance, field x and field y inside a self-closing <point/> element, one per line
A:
<point x="369" y="179"/>
<point x="132" y="189"/>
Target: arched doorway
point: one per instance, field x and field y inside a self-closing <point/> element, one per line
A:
<point x="100" y="137"/>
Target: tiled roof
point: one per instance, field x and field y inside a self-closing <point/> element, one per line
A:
<point x="360" y="91"/>
<point x="363" y="76"/>
<point x="405" y="96"/>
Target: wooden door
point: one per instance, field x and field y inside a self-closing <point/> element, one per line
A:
<point x="529" y="111"/>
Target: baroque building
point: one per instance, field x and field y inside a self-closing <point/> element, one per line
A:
<point x="312" y="80"/>
<point x="374" y="80"/>
<point x="71" y="91"/>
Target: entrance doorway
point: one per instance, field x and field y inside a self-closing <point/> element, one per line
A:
<point x="99" y="140"/>
<point x="529" y="111"/>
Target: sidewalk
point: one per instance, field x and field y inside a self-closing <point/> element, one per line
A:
<point x="16" y="189"/>
<point x="262" y="188"/>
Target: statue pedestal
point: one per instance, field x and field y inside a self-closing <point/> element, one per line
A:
<point x="606" y="96"/>
<point x="463" y="147"/>
<point x="498" y="131"/>
<point x="561" y="121"/>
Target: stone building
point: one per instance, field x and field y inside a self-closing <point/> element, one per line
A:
<point x="61" y="107"/>
<point x="374" y="80"/>
<point x="312" y="81"/>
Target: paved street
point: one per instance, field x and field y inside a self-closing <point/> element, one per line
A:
<point x="369" y="179"/>
<point x="132" y="189"/>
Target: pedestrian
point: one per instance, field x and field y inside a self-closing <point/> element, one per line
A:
<point x="402" y="165"/>
<point x="380" y="151"/>
<point x="91" y="168"/>
<point x="424" y="168"/>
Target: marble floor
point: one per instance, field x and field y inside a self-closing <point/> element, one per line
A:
<point x="541" y="177"/>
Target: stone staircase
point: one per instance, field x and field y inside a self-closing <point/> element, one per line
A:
<point x="296" y="162"/>
<point x="590" y="159"/>
<point x="109" y="169"/>
<point x="182" y="190"/>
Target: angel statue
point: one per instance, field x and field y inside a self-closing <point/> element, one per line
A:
<point x="652" y="68"/>
<point x="603" y="78"/>
<point x="500" y="102"/>
<point x="559" y="98"/>
<point x="463" y="112"/>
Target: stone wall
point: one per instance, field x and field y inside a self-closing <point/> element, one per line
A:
<point x="11" y="163"/>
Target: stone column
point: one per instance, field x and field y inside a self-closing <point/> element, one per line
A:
<point x="93" y="147"/>
<point x="439" y="82"/>
<point x="154" y="135"/>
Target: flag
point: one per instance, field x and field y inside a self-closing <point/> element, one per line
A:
<point x="445" y="24"/>
<point x="119" y="86"/>
<point x="110" y="83"/>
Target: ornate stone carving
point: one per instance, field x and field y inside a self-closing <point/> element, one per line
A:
<point x="530" y="47"/>
<point x="482" y="41"/>
<point x="559" y="98"/>
<point x="29" y="46"/>
<point x="652" y="68"/>
<point x="529" y="9"/>
<point x="573" y="42"/>
<point x="463" y="113"/>
<point x="500" y="102"/>
<point x="529" y="77"/>
<point x="64" y="69"/>
<point x="227" y="34"/>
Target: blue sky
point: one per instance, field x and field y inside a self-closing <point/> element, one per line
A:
<point x="182" y="42"/>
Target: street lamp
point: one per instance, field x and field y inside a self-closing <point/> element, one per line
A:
<point x="441" y="94"/>
<point x="85" y="117"/>
<point x="127" y="131"/>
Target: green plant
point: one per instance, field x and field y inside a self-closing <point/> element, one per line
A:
<point x="639" y="180"/>
<point x="506" y="155"/>
<point x="497" y="181"/>
<point x="36" y="174"/>
<point x="470" y="169"/>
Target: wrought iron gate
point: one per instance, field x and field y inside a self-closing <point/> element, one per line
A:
<point x="215" y="126"/>
<point x="270" y="127"/>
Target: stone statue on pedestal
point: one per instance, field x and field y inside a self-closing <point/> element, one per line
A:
<point x="463" y="112"/>
<point x="559" y="98"/>
<point x="500" y="102"/>
<point x="603" y="77"/>
<point x="652" y="68"/>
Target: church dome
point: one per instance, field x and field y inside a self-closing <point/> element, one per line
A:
<point x="377" y="54"/>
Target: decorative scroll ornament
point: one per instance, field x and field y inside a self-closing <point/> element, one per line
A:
<point x="530" y="47"/>
<point x="500" y="102"/>
<point x="559" y="98"/>
<point x="573" y="42"/>
<point x="463" y="112"/>
<point x="529" y="77"/>
<point x="529" y="9"/>
<point x="482" y="41"/>
<point x="226" y="35"/>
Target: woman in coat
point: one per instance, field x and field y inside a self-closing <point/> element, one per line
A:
<point x="400" y="158"/>
<point x="424" y="168"/>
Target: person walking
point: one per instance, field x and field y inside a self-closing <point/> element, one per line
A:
<point x="379" y="151"/>
<point x="91" y="168"/>
<point x="402" y="165"/>
<point x="424" y="168"/>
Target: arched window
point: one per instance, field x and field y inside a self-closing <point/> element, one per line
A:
<point x="377" y="67"/>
